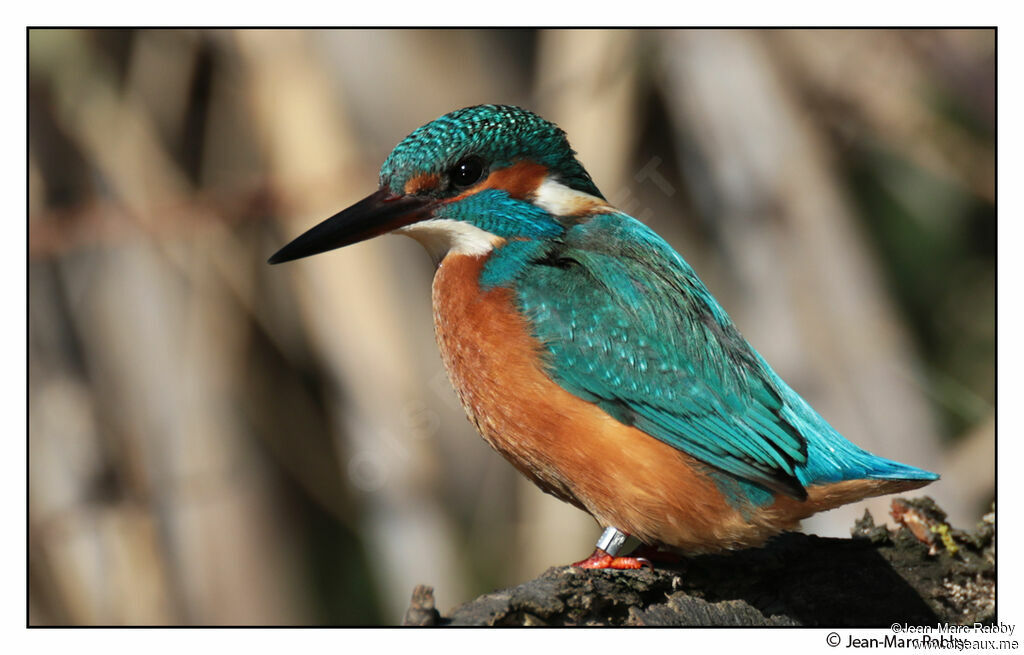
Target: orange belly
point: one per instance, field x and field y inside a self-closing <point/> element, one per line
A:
<point x="575" y="451"/>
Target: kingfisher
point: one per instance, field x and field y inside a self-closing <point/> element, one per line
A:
<point x="589" y="354"/>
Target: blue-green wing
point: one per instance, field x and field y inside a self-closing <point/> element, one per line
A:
<point x="629" y="326"/>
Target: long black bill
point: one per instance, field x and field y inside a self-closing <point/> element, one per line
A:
<point x="375" y="214"/>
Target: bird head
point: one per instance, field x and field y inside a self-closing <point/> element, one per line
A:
<point x="467" y="182"/>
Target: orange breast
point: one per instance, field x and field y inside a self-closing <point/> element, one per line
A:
<point x="573" y="449"/>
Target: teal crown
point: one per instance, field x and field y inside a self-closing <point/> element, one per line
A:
<point x="499" y="134"/>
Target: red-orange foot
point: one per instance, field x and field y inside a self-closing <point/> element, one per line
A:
<point x="602" y="560"/>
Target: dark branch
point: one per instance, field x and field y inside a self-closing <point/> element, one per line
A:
<point x="875" y="579"/>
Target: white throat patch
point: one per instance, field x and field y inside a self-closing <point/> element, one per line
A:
<point x="443" y="236"/>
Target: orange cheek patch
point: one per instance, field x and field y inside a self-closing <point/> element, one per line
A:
<point x="519" y="180"/>
<point x="422" y="183"/>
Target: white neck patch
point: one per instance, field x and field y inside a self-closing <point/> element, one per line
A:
<point x="555" y="198"/>
<point x="443" y="236"/>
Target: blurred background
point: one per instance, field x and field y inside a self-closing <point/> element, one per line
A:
<point x="216" y="441"/>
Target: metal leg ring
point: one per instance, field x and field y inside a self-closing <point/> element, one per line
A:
<point x="611" y="540"/>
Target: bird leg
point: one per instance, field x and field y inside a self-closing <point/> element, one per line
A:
<point x="604" y="554"/>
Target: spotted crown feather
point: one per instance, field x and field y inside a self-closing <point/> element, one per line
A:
<point x="500" y="134"/>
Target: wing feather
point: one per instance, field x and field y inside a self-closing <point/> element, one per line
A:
<point x="628" y="325"/>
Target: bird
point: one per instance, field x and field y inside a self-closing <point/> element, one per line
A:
<point x="588" y="352"/>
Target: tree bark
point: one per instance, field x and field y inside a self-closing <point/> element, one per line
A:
<point x="922" y="574"/>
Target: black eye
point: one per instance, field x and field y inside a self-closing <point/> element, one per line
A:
<point x="467" y="171"/>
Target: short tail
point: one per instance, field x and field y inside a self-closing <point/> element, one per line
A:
<point x="844" y="462"/>
<point x="886" y="469"/>
<point x="831" y="458"/>
<point x="829" y="496"/>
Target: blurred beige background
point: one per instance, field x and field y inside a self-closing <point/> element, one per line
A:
<point x="216" y="441"/>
